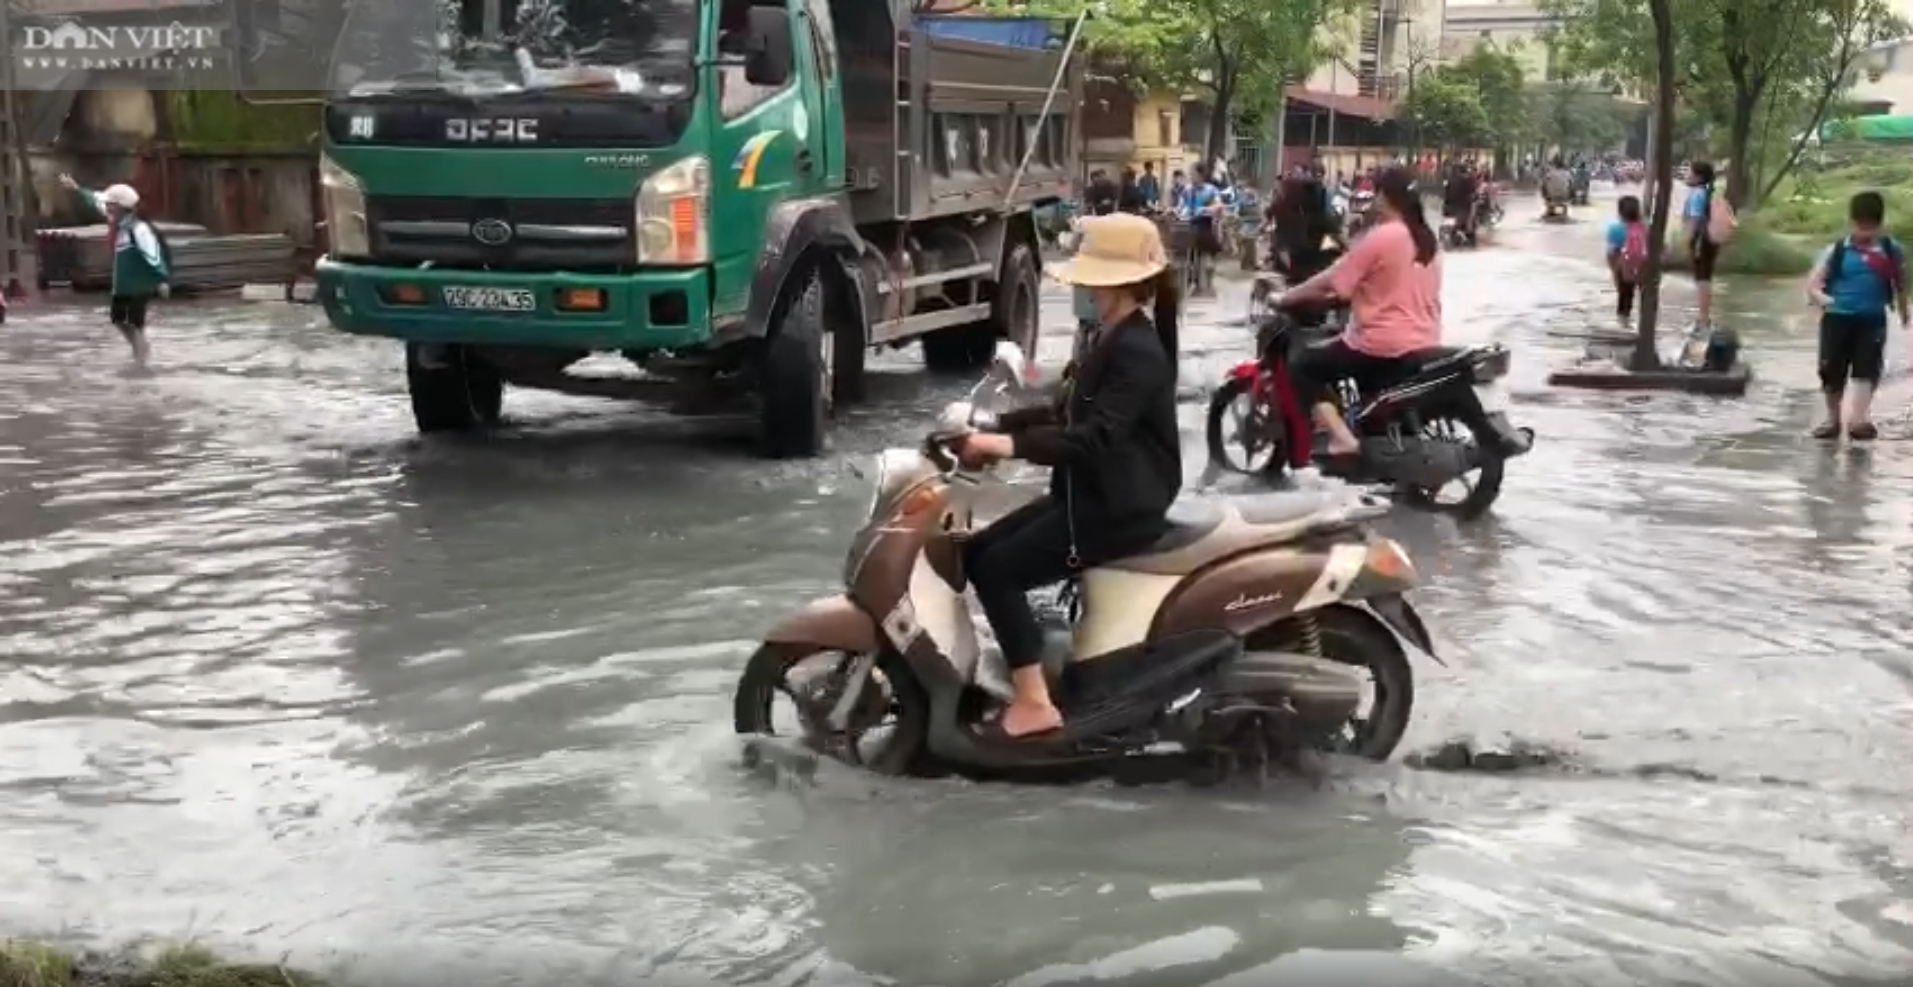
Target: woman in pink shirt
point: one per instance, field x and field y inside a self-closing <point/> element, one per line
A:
<point x="1391" y="280"/>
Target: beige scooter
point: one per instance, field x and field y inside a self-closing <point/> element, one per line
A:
<point x="1244" y="628"/>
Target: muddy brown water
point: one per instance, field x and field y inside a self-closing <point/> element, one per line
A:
<point x="277" y="675"/>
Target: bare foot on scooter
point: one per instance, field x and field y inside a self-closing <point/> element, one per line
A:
<point x="1028" y="720"/>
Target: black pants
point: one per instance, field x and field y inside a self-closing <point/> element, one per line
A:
<point x="1317" y="368"/>
<point x="1626" y="290"/>
<point x="1030" y="547"/>
<point x="1705" y="254"/>
<point x="1852" y="347"/>
<point x="128" y="311"/>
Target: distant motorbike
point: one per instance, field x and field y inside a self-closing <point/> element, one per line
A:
<point x="1412" y="435"/>
<point x="1487" y="212"/>
<point x="1578" y="190"/>
<point x="1243" y="631"/>
<point x="1357" y="219"/>
<point x="1454" y="236"/>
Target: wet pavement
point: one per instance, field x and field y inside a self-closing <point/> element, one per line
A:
<point x="279" y="674"/>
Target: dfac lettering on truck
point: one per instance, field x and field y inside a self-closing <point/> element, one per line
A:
<point x="743" y="199"/>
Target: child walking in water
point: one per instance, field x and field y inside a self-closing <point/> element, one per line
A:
<point x="1856" y="282"/>
<point x="139" y="261"/>
<point x="1627" y="256"/>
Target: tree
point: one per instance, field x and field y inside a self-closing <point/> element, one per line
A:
<point x="1737" y="62"/>
<point x="1499" y="85"/>
<point x="1240" y="52"/>
<point x="1447" y="110"/>
<point x="1571" y="116"/>
<point x="1666" y="71"/>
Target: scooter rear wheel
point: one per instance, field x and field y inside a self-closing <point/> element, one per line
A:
<point x="893" y="701"/>
<point x="1352" y="636"/>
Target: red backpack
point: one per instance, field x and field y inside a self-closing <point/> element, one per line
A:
<point x="1634" y="252"/>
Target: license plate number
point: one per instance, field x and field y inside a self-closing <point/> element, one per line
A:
<point x="490" y="299"/>
<point x="1493" y="398"/>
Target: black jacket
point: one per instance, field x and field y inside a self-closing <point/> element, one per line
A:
<point x="1111" y="437"/>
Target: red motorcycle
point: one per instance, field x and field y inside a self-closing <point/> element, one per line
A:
<point x="1438" y="422"/>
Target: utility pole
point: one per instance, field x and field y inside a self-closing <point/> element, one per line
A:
<point x="14" y="174"/>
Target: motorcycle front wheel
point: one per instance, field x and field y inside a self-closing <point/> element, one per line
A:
<point x="887" y="732"/>
<point x="1242" y="431"/>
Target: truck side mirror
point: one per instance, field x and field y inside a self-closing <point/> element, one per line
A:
<point x="769" y="62"/>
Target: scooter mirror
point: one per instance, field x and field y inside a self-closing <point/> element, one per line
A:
<point x="1009" y="364"/>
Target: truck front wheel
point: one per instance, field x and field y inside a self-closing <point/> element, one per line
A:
<point x="452" y="390"/>
<point x="797" y="373"/>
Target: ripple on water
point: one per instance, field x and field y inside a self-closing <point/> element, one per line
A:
<point x="467" y="701"/>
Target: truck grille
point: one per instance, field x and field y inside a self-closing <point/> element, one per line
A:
<point x="584" y="235"/>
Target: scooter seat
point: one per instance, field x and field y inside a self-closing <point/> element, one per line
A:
<point x="1201" y="532"/>
<point x="1436" y="356"/>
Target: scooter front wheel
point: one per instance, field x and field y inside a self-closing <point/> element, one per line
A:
<point x="888" y="728"/>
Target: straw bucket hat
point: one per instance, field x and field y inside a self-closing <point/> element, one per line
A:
<point x="1113" y="250"/>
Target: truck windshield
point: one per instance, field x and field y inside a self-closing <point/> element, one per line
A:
<point x="498" y="47"/>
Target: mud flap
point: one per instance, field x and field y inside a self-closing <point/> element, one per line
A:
<point x="1400" y="616"/>
<point x="1507" y="430"/>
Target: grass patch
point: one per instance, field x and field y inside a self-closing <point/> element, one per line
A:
<point x="1757" y="249"/>
<point x="1812" y="203"/>
<point x="32" y="964"/>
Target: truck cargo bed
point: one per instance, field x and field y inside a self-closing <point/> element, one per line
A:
<point x="936" y="125"/>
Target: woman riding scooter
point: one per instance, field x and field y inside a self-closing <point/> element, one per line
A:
<point x="1110" y="440"/>
<point x="1391" y="278"/>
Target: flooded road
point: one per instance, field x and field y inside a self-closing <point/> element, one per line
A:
<point x="279" y="675"/>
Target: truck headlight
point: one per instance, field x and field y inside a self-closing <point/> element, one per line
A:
<point x="674" y="213"/>
<point x="347" y="233"/>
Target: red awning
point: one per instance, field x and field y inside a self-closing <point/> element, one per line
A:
<point x="1365" y="107"/>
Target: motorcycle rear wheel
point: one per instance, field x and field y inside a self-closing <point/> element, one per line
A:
<point x="1482" y="494"/>
<point x="769" y="672"/>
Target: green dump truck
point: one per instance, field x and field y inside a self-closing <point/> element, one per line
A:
<point x="743" y="199"/>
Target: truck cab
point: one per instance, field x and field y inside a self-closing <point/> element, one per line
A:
<point x="742" y="198"/>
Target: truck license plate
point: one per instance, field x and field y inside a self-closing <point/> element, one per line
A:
<point x="490" y="299"/>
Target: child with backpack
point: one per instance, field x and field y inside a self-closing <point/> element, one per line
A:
<point x="1856" y="282"/>
<point x="141" y="266"/>
<point x="1627" y="255"/>
<point x="1709" y="223"/>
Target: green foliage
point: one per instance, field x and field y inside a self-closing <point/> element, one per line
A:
<point x="1758" y="250"/>
<point x="1238" y="52"/>
<point x="1763" y="70"/>
<point x="1813" y="204"/>
<point x="1447" y="111"/>
<point x="1477" y="100"/>
<point x="1576" y="119"/>
<point x="217" y="120"/>
<point x="31" y="964"/>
